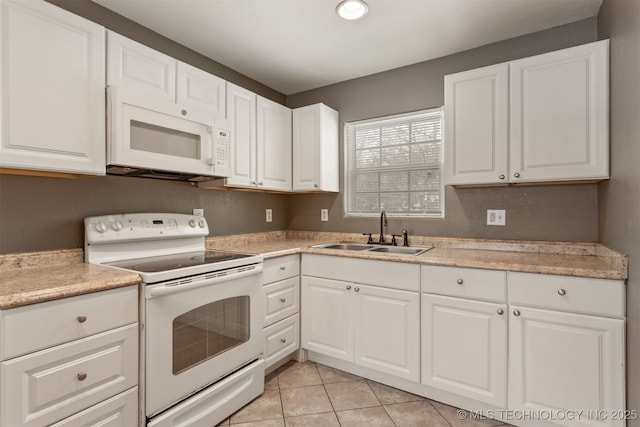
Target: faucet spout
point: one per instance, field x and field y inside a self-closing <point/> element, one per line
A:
<point x="383" y="223"/>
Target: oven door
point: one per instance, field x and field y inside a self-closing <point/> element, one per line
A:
<point x="197" y="333"/>
<point x="164" y="136"/>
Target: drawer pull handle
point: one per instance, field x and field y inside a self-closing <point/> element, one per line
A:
<point x="516" y="312"/>
<point x="81" y="376"/>
<point x="500" y="311"/>
<point x="81" y="319"/>
<point x="283" y="268"/>
<point x="283" y="300"/>
<point x="283" y="340"/>
<point x="459" y="281"/>
<point x="562" y="292"/>
<point x="357" y="289"/>
<point x="348" y="287"/>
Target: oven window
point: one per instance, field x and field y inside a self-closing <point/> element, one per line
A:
<point x="161" y="140"/>
<point x="209" y="330"/>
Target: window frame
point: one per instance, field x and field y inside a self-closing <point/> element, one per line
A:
<point x="390" y="119"/>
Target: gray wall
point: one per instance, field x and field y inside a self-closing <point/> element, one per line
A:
<point x="619" y="198"/>
<point x="565" y="212"/>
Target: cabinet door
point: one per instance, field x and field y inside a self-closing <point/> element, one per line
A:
<point x="327" y="317"/>
<point x="464" y="348"/>
<point x="476" y="125"/>
<point x="560" y="115"/>
<point x="388" y="343"/>
<point x="52" y="80"/>
<point x="241" y="114"/>
<point x="274" y="145"/>
<point x="200" y="89"/>
<point x="315" y="149"/>
<point x="134" y="66"/>
<point x="566" y="361"/>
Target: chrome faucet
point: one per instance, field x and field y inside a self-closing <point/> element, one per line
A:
<point x="383" y="223"/>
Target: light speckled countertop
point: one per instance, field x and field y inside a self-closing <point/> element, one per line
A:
<point x="35" y="277"/>
<point x="44" y="276"/>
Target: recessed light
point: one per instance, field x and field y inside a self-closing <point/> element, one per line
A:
<point x="352" y="9"/>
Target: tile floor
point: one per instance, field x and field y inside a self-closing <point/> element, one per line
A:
<point x="310" y="394"/>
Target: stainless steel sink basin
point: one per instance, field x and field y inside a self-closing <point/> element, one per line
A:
<point x="390" y="250"/>
<point x="399" y="250"/>
<point x="348" y="246"/>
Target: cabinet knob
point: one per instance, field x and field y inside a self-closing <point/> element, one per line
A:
<point x="516" y="312"/>
<point x="316" y="185"/>
<point x="357" y="289"/>
<point x="283" y="268"/>
<point x="502" y="177"/>
<point x="562" y="292"/>
<point x="348" y="287"/>
<point x="516" y="175"/>
<point x="500" y="311"/>
<point x="81" y="319"/>
<point x="260" y="183"/>
<point x="283" y="340"/>
<point x="459" y="281"/>
<point x="81" y="376"/>
<point x="184" y="112"/>
<point x="283" y="300"/>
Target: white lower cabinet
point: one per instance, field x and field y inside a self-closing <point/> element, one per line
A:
<point x="369" y="325"/>
<point x="86" y="372"/>
<point x="464" y="347"/>
<point x="281" y="284"/>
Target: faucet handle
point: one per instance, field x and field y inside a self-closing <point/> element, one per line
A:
<point x="369" y="239"/>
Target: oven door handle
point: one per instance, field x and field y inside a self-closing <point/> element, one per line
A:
<point x="163" y="290"/>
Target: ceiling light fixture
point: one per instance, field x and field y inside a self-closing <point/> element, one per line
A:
<point x="352" y="9"/>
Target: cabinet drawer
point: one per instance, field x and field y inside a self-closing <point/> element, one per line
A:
<point x="599" y="297"/>
<point x="281" y="339"/>
<point x="282" y="299"/>
<point x="280" y="268"/>
<point x="389" y="274"/>
<point x="47" y="386"/>
<point x="39" y="326"/>
<point x="464" y="282"/>
<point x="119" y="411"/>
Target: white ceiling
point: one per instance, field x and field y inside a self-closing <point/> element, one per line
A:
<point x="297" y="45"/>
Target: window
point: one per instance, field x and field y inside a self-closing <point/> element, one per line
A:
<point x="395" y="164"/>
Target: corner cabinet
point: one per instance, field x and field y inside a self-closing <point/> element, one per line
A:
<point x="260" y="141"/>
<point x="538" y="119"/>
<point x="315" y="149"/>
<point x="52" y="95"/>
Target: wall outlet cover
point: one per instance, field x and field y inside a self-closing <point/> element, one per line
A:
<point x="324" y="214"/>
<point x="198" y="212"/>
<point x="496" y="217"/>
<point x="269" y="215"/>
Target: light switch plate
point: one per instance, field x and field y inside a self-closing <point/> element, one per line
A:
<point x="496" y="217"/>
<point x="269" y="215"/>
<point x="324" y="214"/>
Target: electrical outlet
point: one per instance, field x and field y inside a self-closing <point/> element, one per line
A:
<point x="324" y="214"/>
<point x="269" y="215"/>
<point x="496" y="217"/>
<point x="198" y="212"/>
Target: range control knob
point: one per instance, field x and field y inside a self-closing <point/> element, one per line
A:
<point x="192" y="222"/>
<point x="201" y="223"/>
<point x="117" y="226"/>
<point x="101" y="227"/>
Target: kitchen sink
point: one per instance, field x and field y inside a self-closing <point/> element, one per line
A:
<point x="389" y="250"/>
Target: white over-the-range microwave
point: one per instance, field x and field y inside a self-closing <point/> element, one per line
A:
<point x="156" y="139"/>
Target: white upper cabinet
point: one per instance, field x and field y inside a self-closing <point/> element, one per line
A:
<point x="476" y="125"/>
<point x="51" y="89"/>
<point x="260" y="141"/>
<point x="315" y="149"/>
<point x="273" y="145"/>
<point x="197" y="88"/>
<point x="538" y="119"/>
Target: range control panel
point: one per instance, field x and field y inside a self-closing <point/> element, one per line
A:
<point x="143" y="226"/>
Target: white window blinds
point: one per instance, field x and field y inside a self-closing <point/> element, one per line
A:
<point x="395" y="164"/>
